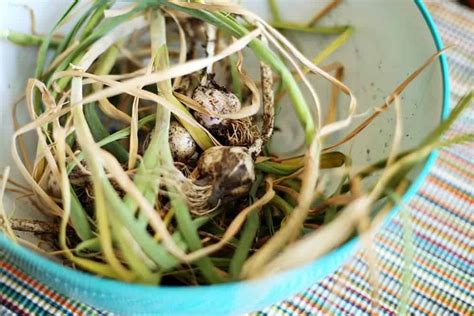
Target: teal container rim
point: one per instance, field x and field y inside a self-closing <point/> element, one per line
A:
<point x="61" y="271"/>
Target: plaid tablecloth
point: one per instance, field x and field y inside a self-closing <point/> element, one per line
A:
<point x="441" y="269"/>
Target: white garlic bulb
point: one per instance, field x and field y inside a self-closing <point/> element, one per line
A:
<point x="229" y="170"/>
<point x="215" y="99"/>
<point x="182" y="144"/>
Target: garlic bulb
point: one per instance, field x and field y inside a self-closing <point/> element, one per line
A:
<point x="182" y="144"/>
<point x="215" y="99"/>
<point x="54" y="186"/>
<point x="229" y="170"/>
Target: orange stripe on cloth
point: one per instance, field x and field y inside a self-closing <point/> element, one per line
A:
<point x="445" y="186"/>
<point x="449" y="165"/>
<point x="387" y="289"/>
<point x="425" y="263"/>
<point x="460" y="21"/>
<point x="442" y="203"/>
<point x="418" y="285"/>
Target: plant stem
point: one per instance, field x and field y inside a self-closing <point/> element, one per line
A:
<point x="100" y="133"/>
<point x="266" y="55"/>
<point x="43" y="50"/>
<point x="156" y="252"/>
<point x="323" y="54"/>
<point x="129" y="253"/>
<point x="183" y="217"/>
<point x="101" y="30"/>
<point x="326" y="30"/>
<point x="121" y="134"/>
<point x="92" y="244"/>
<point x="75" y="29"/>
<point x="94" y="19"/>
<point x="247" y="238"/>
<point x="464" y="103"/>
<point x="327" y="161"/>
<point x="328" y="8"/>
<point x="79" y="218"/>
<point x="236" y="81"/>
<point x="432" y="137"/>
<point x="408" y="257"/>
<point x="267" y="211"/>
<point x="104" y="66"/>
<point x="274" y="11"/>
<point x="24" y="39"/>
<point x="335" y="44"/>
<point x="330" y="214"/>
<point x="31" y="225"/>
<point x="282" y="204"/>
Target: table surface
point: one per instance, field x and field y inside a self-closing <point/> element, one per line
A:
<point x="441" y="265"/>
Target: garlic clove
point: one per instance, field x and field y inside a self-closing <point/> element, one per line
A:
<point x="229" y="170"/>
<point x="181" y="143"/>
<point x="217" y="100"/>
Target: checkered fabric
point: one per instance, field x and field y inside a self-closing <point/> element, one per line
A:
<point x="439" y="277"/>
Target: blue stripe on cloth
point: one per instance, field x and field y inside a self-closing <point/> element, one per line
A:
<point x="22" y="301"/>
<point x="427" y="198"/>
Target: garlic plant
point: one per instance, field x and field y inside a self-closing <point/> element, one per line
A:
<point x="157" y="173"/>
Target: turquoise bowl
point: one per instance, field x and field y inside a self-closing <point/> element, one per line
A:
<point x="247" y="296"/>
